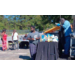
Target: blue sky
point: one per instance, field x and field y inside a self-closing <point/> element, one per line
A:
<point x="6" y="16"/>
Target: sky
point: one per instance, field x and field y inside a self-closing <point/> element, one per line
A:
<point x="6" y="16"/>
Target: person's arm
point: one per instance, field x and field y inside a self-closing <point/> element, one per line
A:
<point x="65" y="24"/>
<point x="28" y="37"/>
<point x="2" y="38"/>
<point x="38" y="38"/>
<point x="17" y="37"/>
<point x="24" y="38"/>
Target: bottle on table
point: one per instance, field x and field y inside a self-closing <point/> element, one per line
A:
<point x="48" y="38"/>
<point x="40" y="40"/>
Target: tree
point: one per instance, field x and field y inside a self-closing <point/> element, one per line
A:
<point x="1" y="22"/>
<point x="22" y="22"/>
<point x="56" y="18"/>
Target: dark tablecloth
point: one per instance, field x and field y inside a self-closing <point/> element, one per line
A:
<point x="47" y="51"/>
<point x="23" y="43"/>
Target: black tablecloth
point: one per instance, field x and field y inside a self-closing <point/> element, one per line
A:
<point x="22" y="44"/>
<point x="47" y="51"/>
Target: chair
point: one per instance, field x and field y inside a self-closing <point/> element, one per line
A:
<point x="11" y="45"/>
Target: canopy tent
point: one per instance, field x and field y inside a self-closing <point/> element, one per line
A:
<point x="52" y="29"/>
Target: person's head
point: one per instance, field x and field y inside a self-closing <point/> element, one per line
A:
<point x="14" y="31"/>
<point x="62" y="20"/>
<point x="25" y="35"/>
<point x="32" y="28"/>
<point x="3" y="31"/>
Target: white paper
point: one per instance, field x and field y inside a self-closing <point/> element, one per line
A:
<point x="35" y="37"/>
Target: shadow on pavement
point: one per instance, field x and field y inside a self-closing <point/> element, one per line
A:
<point x="25" y="57"/>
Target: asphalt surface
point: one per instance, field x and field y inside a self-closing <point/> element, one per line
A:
<point x="22" y="54"/>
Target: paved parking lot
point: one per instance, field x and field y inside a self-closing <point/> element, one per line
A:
<point x="22" y="54"/>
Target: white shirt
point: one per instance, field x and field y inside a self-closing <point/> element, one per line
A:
<point x="15" y="36"/>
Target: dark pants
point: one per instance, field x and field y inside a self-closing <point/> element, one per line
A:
<point x="61" y="41"/>
<point x="16" y="44"/>
<point x="32" y="51"/>
<point x="61" y="46"/>
<point x="67" y="45"/>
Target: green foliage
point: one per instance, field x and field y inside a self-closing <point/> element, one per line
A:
<point x="1" y="25"/>
<point x="23" y="22"/>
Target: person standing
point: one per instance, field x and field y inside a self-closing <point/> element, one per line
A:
<point x="25" y="37"/>
<point x="67" y="31"/>
<point x="15" y="39"/>
<point x="61" y="41"/>
<point x="26" y="43"/>
<point x="4" y="40"/>
<point x="33" y="38"/>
